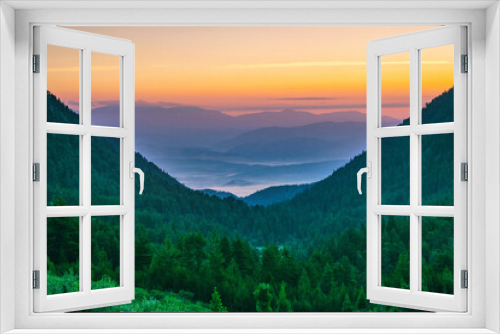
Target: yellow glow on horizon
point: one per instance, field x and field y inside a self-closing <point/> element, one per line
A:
<point x="239" y="68"/>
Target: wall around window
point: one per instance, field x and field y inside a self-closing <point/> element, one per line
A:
<point x="477" y="126"/>
<point x="7" y="166"/>
<point x="492" y="163"/>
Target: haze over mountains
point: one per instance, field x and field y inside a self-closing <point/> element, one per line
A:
<point x="242" y="154"/>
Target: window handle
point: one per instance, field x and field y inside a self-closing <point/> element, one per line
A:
<point x="141" y="175"/>
<point x="368" y="171"/>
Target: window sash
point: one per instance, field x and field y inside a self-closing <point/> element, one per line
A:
<point x="87" y="43"/>
<point x="414" y="298"/>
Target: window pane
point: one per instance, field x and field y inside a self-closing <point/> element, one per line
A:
<point x="105" y="89"/>
<point x="395" y="88"/>
<point x="437" y="254"/>
<point x="395" y="170"/>
<point x="63" y="84"/>
<point x="105" y="252"/>
<point x="395" y="251"/>
<point x="437" y="84"/>
<point x="105" y="171"/>
<point x="63" y="255"/>
<point x="63" y="170"/>
<point x="437" y="169"/>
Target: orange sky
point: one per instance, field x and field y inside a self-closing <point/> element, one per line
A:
<point x="251" y="69"/>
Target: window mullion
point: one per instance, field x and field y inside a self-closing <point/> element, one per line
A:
<point x="414" y="171"/>
<point x="85" y="245"/>
<point x="81" y="219"/>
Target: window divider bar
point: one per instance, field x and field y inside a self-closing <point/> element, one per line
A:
<point x="81" y="254"/>
<point x="414" y="168"/>
<point x="433" y="211"/>
<point x="80" y="211"/>
<point x="67" y="211"/>
<point x="81" y="248"/>
<point x="67" y="129"/>
<point x="420" y="129"/>
<point x="418" y="154"/>
<point x="418" y="210"/>
<point x="86" y="166"/>
<point x="433" y="129"/>
<point x="104" y="131"/>
<point x="392" y="131"/>
<point x="82" y="130"/>
<point x="109" y="210"/>
<point x="86" y="247"/>
<point x="392" y="210"/>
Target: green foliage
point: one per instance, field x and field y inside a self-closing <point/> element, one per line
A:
<point x="216" y="303"/>
<point x="395" y="252"/>
<point x="283" y="304"/>
<point x="67" y="282"/>
<point x="105" y="248"/>
<point x="193" y="251"/>
<point x="263" y="297"/>
<point x="346" y="305"/>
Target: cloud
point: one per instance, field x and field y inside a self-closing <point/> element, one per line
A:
<point x="138" y="103"/>
<point x="163" y="104"/>
<point x="72" y="103"/>
<point x="304" y="98"/>
<point x="255" y="108"/>
<point x="296" y="64"/>
<point x="308" y="107"/>
<point x="105" y="103"/>
<point x="322" y="64"/>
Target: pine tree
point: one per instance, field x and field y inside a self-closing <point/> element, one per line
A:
<point x="215" y="259"/>
<point x="225" y="248"/>
<point x="347" y="306"/>
<point x="304" y="292"/>
<point x="270" y="262"/>
<point x="283" y="304"/>
<point x="216" y="302"/>
<point x="263" y="298"/>
<point x="361" y="301"/>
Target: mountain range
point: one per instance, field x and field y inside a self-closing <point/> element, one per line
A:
<point x="157" y="118"/>
<point x="264" y="197"/>
<point x="206" y="148"/>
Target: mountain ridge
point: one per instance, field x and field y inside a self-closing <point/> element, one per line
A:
<point x="198" y="117"/>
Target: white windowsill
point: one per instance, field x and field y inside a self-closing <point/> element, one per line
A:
<point x="252" y="331"/>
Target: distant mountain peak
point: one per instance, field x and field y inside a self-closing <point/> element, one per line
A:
<point x="190" y="109"/>
<point x="289" y="110"/>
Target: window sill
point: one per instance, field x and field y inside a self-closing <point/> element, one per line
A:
<point x="251" y="331"/>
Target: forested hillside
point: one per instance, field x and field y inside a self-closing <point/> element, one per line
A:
<point x="304" y="254"/>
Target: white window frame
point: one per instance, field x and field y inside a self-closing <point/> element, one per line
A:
<point x="484" y="47"/>
<point x="86" y="44"/>
<point x="413" y="43"/>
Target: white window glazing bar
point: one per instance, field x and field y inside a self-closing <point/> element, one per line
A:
<point x="81" y="130"/>
<point x="80" y="211"/>
<point x="414" y="170"/>
<point x="85" y="246"/>
<point x="421" y="129"/>
<point x="418" y="210"/>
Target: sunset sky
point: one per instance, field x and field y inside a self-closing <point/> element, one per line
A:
<point x="252" y="69"/>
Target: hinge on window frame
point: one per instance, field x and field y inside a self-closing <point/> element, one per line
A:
<point x="36" y="63"/>
<point x="464" y="279"/>
<point x="36" y="172"/>
<point x="464" y="171"/>
<point x="465" y="64"/>
<point x="36" y="279"/>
